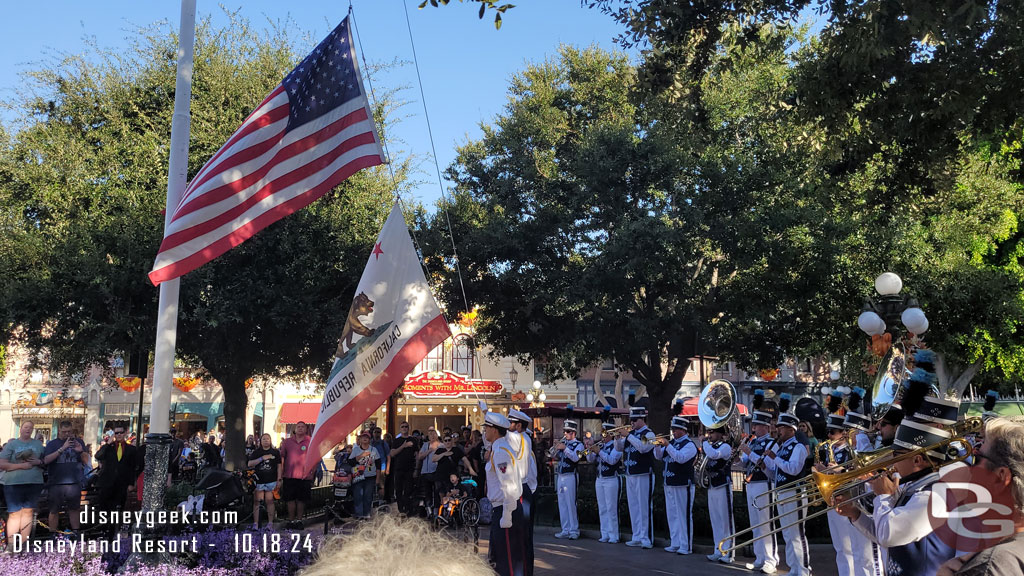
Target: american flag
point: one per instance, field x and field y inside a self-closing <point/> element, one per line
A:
<point x="311" y="133"/>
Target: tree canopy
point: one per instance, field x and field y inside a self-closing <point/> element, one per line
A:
<point x="82" y="188"/>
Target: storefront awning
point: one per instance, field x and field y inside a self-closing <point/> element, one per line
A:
<point x="292" y="412"/>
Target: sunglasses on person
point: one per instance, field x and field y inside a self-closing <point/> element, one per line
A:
<point x="116" y="432"/>
<point x="978" y="455"/>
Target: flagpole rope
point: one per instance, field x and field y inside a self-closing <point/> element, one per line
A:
<point x="433" y="149"/>
<point x="440" y="185"/>
<point x="384" y="143"/>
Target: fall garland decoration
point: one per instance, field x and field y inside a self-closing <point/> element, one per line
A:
<point x="186" y="384"/>
<point x="248" y="383"/>
<point x="129" y="384"/>
<point x="768" y="374"/>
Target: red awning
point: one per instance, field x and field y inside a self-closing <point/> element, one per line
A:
<point x="690" y="407"/>
<point x="293" y="412"/>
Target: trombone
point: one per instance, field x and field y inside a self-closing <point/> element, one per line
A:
<point x="828" y="485"/>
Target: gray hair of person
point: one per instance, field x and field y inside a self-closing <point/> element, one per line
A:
<point x="1007" y="441"/>
<point x="389" y="545"/>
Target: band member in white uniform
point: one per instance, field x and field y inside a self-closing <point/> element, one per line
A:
<point x="678" y="455"/>
<point x="766" y="553"/>
<point x="607" y="486"/>
<point x="836" y="452"/>
<point x="567" y="453"/>
<point x="504" y="488"/>
<point x="900" y="521"/>
<point x="526" y="460"/>
<point x="789" y="463"/>
<point x="719" y="464"/>
<point x="637" y="447"/>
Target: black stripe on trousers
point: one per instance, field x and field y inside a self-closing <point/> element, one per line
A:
<point x="803" y="537"/>
<point x="688" y="518"/>
<point x="650" y="513"/>
<point x="728" y="499"/>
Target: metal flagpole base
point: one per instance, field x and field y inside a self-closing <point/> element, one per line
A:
<point x="158" y="447"/>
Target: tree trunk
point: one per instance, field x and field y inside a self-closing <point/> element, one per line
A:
<point x="952" y="381"/>
<point x="599" y="399"/>
<point x="660" y="410"/>
<point x="620" y="400"/>
<point x="235" y="401"/>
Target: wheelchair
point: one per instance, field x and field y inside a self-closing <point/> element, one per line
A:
<point x="459" y="515"/>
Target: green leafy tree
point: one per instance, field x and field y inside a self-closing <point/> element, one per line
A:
<point x="595" y="224"/>
<point x="82" y="188"/>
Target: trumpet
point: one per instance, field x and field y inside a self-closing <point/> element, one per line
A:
<point x="614" y="431"/>
<point x="659" y="440"/>
<point x="554" y="449"/>
<point x="823" y="486"/>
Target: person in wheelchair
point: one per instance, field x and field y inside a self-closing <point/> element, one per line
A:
<point x="454" y="493"/>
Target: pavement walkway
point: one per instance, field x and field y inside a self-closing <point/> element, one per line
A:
<point x="589" y="557"/>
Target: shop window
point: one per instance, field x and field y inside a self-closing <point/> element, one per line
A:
<point x="434" y="361"/>
<point x="462" y="356"/>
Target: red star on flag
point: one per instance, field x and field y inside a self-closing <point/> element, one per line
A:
<point x="377" y="251"/>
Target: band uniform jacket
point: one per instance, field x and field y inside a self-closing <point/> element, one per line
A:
<point x="609" y="460"/>
<point x="637" y="448"/>
<point x="757" y="449"/>
<point x="679" y="457"/>
<point x="719" y="455"/>
<point x="790" y="462"/>
<point x="901" y="527"/>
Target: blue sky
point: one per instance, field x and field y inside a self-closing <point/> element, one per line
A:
<point x="464" y="62"/>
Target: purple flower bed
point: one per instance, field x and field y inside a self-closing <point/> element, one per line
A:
<point x="222" y="553"/>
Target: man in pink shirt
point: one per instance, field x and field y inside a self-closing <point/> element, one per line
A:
<point x="297" y="488"/>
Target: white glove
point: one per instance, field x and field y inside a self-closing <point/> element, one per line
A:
<point x="506" y="519"/>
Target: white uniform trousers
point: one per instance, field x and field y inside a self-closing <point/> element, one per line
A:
<point x="607" y="489"/>
<point x="797" y="552"/>
<point x="867" y="556"/>
<point x="720" y="511"/>
<point x="679" y="509"/>
<point x="765" y="551"/>
<point x="639" y="491"/>
<point x="566" y="486"/>
<point x="841" y="529"/>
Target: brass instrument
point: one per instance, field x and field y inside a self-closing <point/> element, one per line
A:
<point x="824" y="486"/>
<point x="716" y="408"/>
<point x="659" y="440"/>
<point x="614" y="431"/>
<point x="554" y="449"/>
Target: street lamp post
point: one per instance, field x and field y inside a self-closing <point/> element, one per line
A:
<point x="880" y="314"/>
<point x="513" y="375"/>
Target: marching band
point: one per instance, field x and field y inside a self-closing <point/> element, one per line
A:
<point x="874" y="474"/>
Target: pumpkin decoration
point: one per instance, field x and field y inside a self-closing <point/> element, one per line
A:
<point x="768" y="374"/>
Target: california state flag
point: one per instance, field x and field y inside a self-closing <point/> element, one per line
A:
<point x="393" y="323"/>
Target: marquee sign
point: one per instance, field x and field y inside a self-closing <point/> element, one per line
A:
<point x="448" y="385"/>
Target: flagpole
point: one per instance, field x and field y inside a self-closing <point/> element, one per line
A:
<point x="159" y="439"/>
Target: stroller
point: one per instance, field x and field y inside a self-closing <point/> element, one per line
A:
<point x="339" y="506"/>
<point x="222" y="490"/>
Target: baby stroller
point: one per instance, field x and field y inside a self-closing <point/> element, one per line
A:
<point x="339" y="505"/>
<point x="222" y="490"/>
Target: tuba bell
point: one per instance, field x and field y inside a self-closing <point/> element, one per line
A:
<point x="716" y="408"/>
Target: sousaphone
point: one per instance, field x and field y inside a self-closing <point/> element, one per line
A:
<point x="716" y="408"/>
